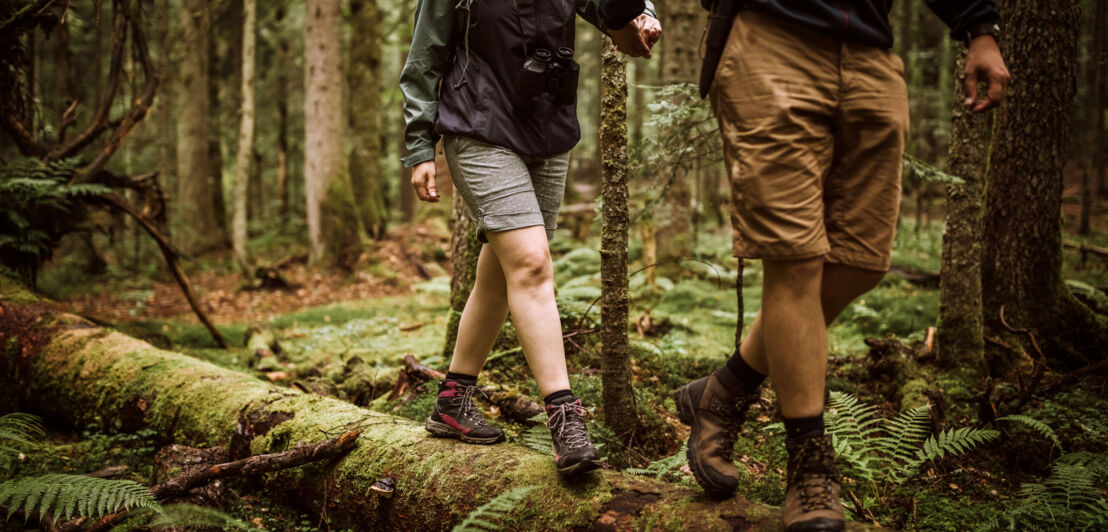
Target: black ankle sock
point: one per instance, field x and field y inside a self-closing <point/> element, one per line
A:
<point x="461" y="378"/>
<point x="559" y="397"/>
<point x="738" y="374"/>
<point x="804" y="427"/>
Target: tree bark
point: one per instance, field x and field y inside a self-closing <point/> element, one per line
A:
<point x="365" y="117"/>
<point x="198" y="223"/>
<point x="323" y="143"/>
<point x="75" y="372"/>
<point x="1022" y="267"/>
<point x="683" y="20"/>
<point x="283" y="89"/>
<point x="245" y="155"/>
<point x="167" y="161"/>
<point x="618" y="396"/>
<point x="960" y="332"/>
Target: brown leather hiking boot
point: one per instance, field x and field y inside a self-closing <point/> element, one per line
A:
<point x="715" y="415"/>
<point x="812" y="487"/>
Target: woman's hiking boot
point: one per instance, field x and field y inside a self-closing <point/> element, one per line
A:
<point x="573" y="452"/>
<point x="456" y="416"/>
<point x="812" y="487"/>
<point x="715" y="415"/>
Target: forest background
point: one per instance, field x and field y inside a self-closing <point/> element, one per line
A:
<point x="222" y="180"/>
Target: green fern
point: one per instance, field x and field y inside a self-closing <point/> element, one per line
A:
<point x="37" y="208"/>
<point x="665" y="468"/>
<point x="1068" y="499"/>
<point x="489" y="516"/>
<point x="19" y="432"/>
<point x="538" y="438"/>
<point x="66" y="496"/>
<point x="193" y="517"/>
<point x="1037" y="426"/>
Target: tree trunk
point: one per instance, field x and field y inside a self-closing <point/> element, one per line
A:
<point x="684" y="22"/>
<point x="961" y="334"/>
<point x="283" y="89"/>
<point x="76" y="373"/>
<point x="618" y="397"/>
<point x="328" y="204"/>
<point x="167" y="161"/>
<point x="245" y="154"/>
<point x="199" y="226"/>
<point x="365" y="116"/>
<point x="464" y="250"/>
<point x="1022" y="267"/>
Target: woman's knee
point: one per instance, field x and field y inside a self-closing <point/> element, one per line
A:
<point x="530" y="268"/>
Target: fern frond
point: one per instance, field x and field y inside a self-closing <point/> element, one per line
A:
<point x="19" y="432"/>
<point x="664" y="466"/>
<point x="903" y="435"/>
<point x="65" y="496"/>
<point x="955" y="442"/>
<point x="192" y="516"/>
<point x="538" y="438"/>
<point x="1037" y="426"/>
<point x="488" y="516"/>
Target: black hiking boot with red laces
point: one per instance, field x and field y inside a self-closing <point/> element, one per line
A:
<point x="456" y="416"/>
<point x="573" y="452"/>
<point x="715" y="414"/>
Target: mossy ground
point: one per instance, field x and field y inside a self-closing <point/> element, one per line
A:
<point x="693" y="317"/>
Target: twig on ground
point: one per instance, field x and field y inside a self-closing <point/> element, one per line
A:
<point x="254" y="465"/>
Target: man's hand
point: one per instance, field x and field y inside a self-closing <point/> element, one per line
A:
<point x="984" y="63"/>
<point x="637" y="38"/>
<point x="423" y="180"/>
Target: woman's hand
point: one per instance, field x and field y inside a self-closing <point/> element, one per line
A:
<point x="637" y="38"/>
<point x="423" y="180"/>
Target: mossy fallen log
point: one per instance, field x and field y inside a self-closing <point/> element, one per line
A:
<point x="67" y="369"/>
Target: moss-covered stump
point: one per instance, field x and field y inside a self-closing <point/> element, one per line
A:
<point x="84" y="374"/>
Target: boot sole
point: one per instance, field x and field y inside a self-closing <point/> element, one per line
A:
<point x="442" y="430"/>
<point x="583" y="466"/>
<point x="686" y="412"/>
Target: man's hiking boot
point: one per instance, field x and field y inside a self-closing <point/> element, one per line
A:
<point x="812" y="487"/>
<point x="456" y="416"/>
<point x="573" y="452"/>
<point x="715" y="415"/>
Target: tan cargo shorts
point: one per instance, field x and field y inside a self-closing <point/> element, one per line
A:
<point x="813" y="131"/>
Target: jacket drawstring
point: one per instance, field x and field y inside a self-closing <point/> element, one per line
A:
<point x="464" y="5"/>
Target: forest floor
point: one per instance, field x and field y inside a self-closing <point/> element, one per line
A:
<point x="396" y="303"/>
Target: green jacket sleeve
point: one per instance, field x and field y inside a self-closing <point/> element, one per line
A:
<point x="590" y="11"/>
<point x="427" y="63"/>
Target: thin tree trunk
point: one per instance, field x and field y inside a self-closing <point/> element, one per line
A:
<point x="283" y="89"/>
<point x="324" y="163"/>
<point x="618" y="397"/>
<point x="199" y="224"/>
<point x="673" y="215"/>
<point x="245" y="153"/>
<point x="167" y="162"/>
<point x="464" y="250"/>
<point x="1022" y="267"/>
<point x="960" y="332"/>
<point x="365" y="116"/>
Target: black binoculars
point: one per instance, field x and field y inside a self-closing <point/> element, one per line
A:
<point x="555" y="73"/>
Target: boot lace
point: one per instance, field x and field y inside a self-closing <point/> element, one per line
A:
<point x="567" y="424"/>
<point x="469" y="411"/>
<point x="814" y="473"/>
<point x="816" y="492"/>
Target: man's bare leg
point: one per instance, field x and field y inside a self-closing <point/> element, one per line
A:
<point x="840" y="286"/>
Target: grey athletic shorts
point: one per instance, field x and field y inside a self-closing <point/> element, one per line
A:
<point x="503" y="189"/>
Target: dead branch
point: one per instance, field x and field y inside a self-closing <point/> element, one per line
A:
<point x="170" y="253"/>
<point x="254" y="465"/>
<point x="18" y="18"/>
<point x="413" y="375"/>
